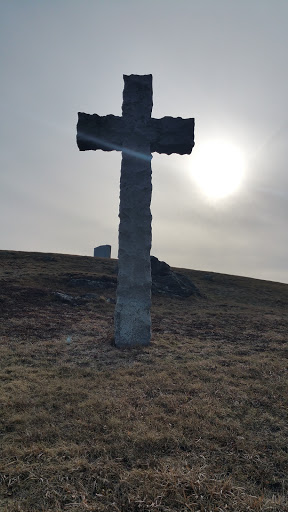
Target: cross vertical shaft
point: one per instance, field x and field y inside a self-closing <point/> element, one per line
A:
<point x="132" y="312"/>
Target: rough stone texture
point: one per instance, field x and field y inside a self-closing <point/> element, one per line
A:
<point x="133" y="303"/>
<point x="159" y="268"/>
<point x="136" y="135"/>
<point x="174" y="285"/>
<point x="167" y="135"/>
<point x="63" y="297"/>
<point x="103" y="251"/>
<point x="167" y="282"/>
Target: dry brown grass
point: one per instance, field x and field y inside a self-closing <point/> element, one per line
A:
<point x="195" y="422"/>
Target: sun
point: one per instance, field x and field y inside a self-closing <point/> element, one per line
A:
<point x="218" y="168"/>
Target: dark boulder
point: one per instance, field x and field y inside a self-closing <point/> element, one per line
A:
<point x="167" y="282"/>
<point x="159" y="268"/>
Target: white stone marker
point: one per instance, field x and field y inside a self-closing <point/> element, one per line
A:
<point x="137" y="135"/>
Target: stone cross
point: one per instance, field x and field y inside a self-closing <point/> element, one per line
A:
<point x="137" y="135"/>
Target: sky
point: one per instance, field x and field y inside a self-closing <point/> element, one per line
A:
<point x="223" y="62"/>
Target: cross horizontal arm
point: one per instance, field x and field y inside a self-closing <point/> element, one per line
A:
<point x="167" y="135"/>
<point x="171" y="135"/>
<point x="100" y="132"/>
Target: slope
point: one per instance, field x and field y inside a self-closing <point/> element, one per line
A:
<point x="195" y="422"/>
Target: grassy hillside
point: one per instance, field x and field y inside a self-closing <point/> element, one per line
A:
<point x="195" y="422"/>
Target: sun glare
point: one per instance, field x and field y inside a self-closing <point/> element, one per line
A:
<point x="217" y="168"/>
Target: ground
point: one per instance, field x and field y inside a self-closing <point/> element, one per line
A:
<point x="197" y="421"/>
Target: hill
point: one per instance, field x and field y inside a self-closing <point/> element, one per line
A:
<point x="195" y="422"/>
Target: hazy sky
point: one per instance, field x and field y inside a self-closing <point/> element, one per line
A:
<point x="223" y="62"/>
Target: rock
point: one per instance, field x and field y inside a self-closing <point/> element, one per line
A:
<point x="159" y="268"/>
<point x="167" y="282"/>
<point x="110" y="300"/>
<point x="103" y="251"/>
<point x="64" y="297"/>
